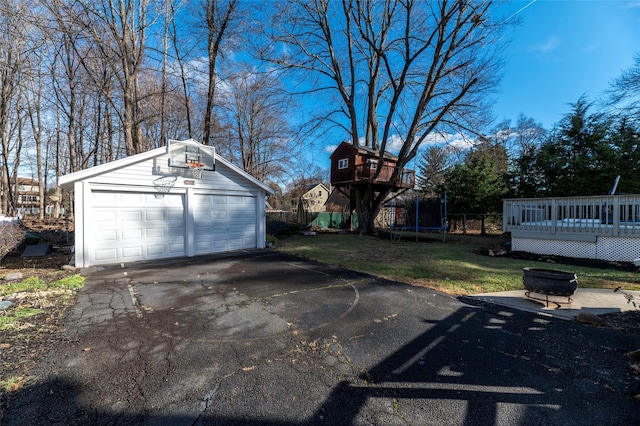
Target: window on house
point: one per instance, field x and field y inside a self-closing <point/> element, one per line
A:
<point x="319" y="193"/>
<point x="343" y="163"/>
<point x="373" y="164"/>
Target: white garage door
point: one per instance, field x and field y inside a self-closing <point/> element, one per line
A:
<point x="128" y="227"/>
<point x="223" y="223"/>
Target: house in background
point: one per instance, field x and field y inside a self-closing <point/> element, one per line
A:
<point x="26" y="192"/>
<point x="313" y="200"/>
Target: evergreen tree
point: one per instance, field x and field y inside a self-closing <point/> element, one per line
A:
<point x="476" y="186"/>
<point x="577" y="158"/>
<point x="626" y="143"/>
<point x="431" y="169"/>
<point x="524" y="177"/>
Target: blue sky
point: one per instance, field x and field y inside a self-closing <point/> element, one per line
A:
<point x="562" y="50"/>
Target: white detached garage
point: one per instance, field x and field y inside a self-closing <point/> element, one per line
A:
<point x="182" y="200"/>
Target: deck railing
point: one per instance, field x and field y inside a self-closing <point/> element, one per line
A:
<point x="366" y="172"/>
<point x="607" y="215"/>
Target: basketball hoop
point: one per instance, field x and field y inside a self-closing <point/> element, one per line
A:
<point x="163" y="185"/>
<point x="196" y="169"/>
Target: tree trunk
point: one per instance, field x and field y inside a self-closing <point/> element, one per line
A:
<point x="183" y="73"/>
<point x="34" y="109"/>
<point x="368" y="204"/>
<point x="129" y="120"/>
<point x="217" y="22"/>
<point x="41" y="182"/>
<point x="56" y="212"/>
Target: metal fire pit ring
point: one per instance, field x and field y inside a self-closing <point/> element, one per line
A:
<point x="549" y="282"/>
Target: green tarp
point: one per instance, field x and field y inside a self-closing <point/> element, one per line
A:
<point x="335" y="220"/>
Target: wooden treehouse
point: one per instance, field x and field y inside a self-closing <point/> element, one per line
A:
<point x="355" y="166"/>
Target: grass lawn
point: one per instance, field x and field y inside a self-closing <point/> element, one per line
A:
<point x="453" y="266"/>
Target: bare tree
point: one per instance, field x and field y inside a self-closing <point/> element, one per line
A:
<point x="399" y="68"/>
<point x="624" y="92"/>
<point x="65" y="68"/>
<point x="254" y="109"/>
<point x="35" y="110"/>
<point x="13" y="53"/>
<point x="218" y="18"/>
<point x="180" y="61"/>
<point x="163" y="109"/>
<point x="529" y="135"/>
<point x="119" y="28"/>
<point x="521" y="139"/>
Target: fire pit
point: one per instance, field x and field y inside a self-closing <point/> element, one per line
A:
<point x="549" y="282"/>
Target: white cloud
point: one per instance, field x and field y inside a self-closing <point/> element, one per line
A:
<point x="437" y="138"/>
<point x="394" y="143"/>
<point x="330" y="148"/>
<point x="591" y="47"/>
<point x="454" y="140"/>
<point x="461" y="143"/>
<point x="631" y="5"/>
<point x="550" y="44"/>
<point x="504" y="134"/>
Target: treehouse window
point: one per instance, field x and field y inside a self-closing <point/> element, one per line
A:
<point x="343" y="163"/>
<point x="373" y="164"/>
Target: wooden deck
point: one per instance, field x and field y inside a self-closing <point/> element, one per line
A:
<point x="599" y="227"/>
<point x="615" y="215"/>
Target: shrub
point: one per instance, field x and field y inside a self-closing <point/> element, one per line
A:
<point x="272" y="239"/>
<point x="11" y="235"/>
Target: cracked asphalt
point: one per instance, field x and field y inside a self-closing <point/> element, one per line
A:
<point x="263" y="338"/>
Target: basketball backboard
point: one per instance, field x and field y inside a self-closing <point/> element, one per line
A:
<point x="190" y="151"/>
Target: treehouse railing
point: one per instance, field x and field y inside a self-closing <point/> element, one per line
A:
<point x="366" y="173"/>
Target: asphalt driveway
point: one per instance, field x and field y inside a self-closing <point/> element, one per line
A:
<point x="265" y="338"/>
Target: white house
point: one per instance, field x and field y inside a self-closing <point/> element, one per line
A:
<point x="182" y="200"/>
<point x="27" y="194"/>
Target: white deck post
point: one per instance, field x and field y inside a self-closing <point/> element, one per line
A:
<point x="554" y="216"/>
<point x="616" y="216"/>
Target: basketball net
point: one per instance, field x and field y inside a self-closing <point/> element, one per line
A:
<point x="196" y="169"/>
<point x="163" y="185"/>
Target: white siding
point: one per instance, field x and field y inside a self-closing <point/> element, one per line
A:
<point x="139" y="174"/>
